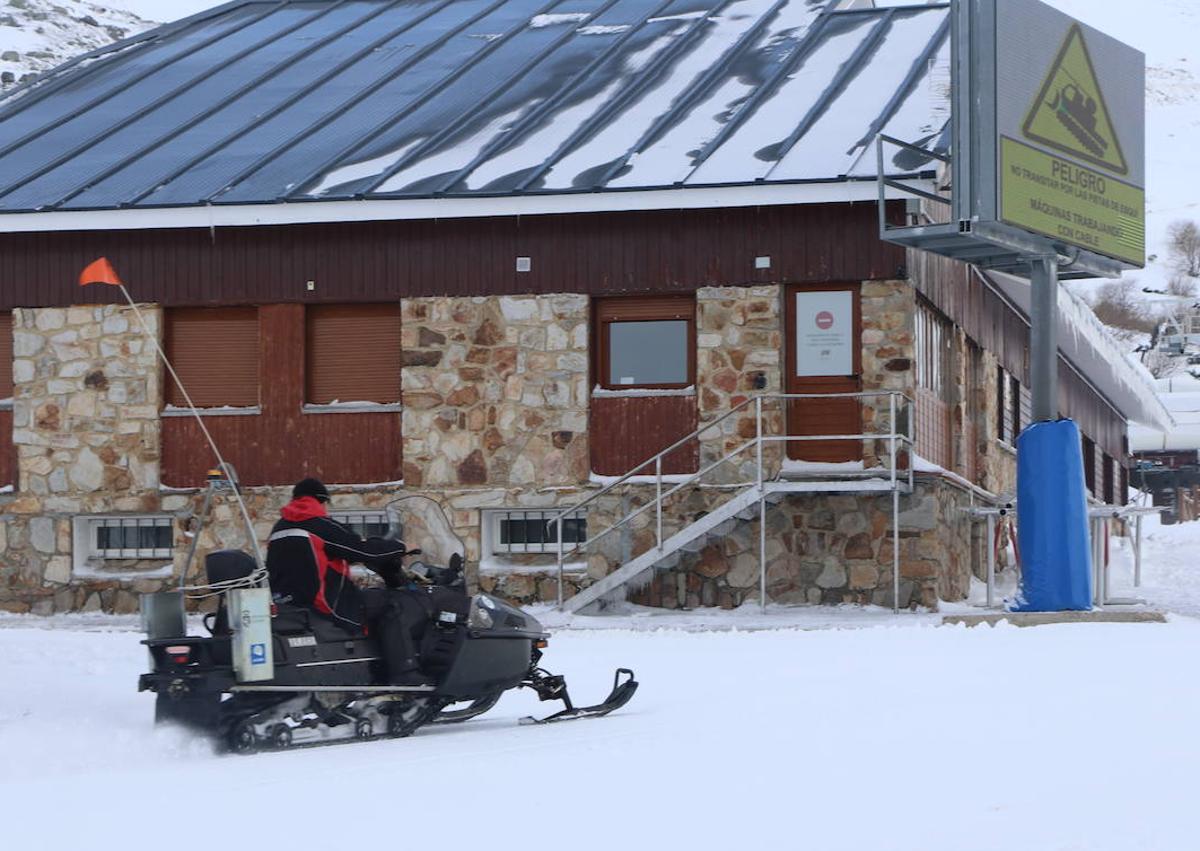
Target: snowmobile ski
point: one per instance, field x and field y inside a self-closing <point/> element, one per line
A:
<point x="622" y="691"/>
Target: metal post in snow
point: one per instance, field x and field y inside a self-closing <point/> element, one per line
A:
<point x="1137" y="551"/>
<point x="762" y="509"/>
<point x="1102" y="545"/>
<point x="1043" y="345"/>
<point x="658" y="523"/>
<point x="991" y="560"/>
<point x="895" y="506"/>
<point x="559" y="522"/>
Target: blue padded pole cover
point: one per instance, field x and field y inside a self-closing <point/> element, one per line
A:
<point x="1052" y="520"/>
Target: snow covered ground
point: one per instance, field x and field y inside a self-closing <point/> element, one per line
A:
<point x="1171" y="567"/>
<point x="894" y="735"/>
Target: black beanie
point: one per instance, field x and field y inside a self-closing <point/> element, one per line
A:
<point x="311" y="487"/>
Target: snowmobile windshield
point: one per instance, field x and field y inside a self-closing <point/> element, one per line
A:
<point x="422" y="524"/>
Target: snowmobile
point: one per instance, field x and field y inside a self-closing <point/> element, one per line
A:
<point x="319" y="683"/>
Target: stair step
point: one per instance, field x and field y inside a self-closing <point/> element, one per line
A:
<point x="692" y="538"/>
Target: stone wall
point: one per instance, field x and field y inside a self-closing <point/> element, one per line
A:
<point x="888" y="309"/>
<point x="496" y="415"/>
<point x="495" y="391"/>
<point x="739" y="338"/>
<point x="86" y="393"/>
<point x="832" y="549"/>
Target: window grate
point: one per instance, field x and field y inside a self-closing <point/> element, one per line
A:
<point x="933" y="414"/>
<point x="365" y="524"/>
<point x="533" y="531"/>
<point x="132" y="537"/>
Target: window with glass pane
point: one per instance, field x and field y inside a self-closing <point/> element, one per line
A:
<point x="534" y="531"/>
<point x="642" y="353"/>
<point x="132" y="537"/>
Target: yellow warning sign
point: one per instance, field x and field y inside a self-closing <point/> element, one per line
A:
<point x="1070" y="115"/>
<point x="1049" y="194"/>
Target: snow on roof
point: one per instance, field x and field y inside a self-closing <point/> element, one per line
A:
<point x="259" y="102"/>
<point x="1087" y="344"/>
<point x="1180" y="394"/>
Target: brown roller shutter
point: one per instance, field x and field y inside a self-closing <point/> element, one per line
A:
<point x="353" y="353"/>
<point x="215" y="352"/>
<point x="6" y="356"/>
<point x="635" y="308"/>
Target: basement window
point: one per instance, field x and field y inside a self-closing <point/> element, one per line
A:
<point x="646" y="343"/>
<point x="365" y="524"/>
<point x="352" y="357"/>
<point x="106" y="541"/>
<point x="215" y="352"/>
<point x="531" y="531"/>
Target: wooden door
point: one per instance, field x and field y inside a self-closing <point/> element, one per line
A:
<point x="824" y="355"/>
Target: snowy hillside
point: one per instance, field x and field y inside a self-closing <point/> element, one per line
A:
<point x="38" y="34"/>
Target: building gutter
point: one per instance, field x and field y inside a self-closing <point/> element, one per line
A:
<point x="313" y="212"/>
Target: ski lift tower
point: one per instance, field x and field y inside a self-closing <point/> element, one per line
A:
<point x="1045" y="178"/>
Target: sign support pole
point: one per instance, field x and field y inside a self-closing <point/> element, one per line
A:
<point x="1043" y="334"/>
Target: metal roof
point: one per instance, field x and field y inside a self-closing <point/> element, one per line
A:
<point x="295" y="100"/>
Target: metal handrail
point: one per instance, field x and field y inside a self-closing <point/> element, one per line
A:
<point x="658" y="456"/>
<point x="894" y="438"/>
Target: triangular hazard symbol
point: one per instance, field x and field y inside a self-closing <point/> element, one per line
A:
<point x="1070" y="114"/>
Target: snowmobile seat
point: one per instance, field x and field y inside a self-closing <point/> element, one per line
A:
<point x="293" y="620"/>
<point x="225" y="566"/>
<point x="228" y="565"/>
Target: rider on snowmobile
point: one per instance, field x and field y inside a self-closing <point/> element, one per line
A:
<point x="308" y="559"/>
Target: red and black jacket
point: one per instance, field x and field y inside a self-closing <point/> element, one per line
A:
<point x="309" y="557"/>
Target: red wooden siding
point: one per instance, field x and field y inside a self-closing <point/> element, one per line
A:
<point x="991" y="322"/>
<point x="654" y="251"/>
<point x="933" y="430"/>
<point x="626" y="431"/>
<point x="282" y="444"/>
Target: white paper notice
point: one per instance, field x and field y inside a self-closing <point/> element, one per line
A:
<point x="825" y="333"/>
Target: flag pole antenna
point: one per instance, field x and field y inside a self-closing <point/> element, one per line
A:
<point x="101" y="271"/>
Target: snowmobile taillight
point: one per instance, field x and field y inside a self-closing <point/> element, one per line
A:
<point x="179" y="653"/>
<point x="541" y="644"/>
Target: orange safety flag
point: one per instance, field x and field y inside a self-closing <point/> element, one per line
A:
<point x="100" y="272"/>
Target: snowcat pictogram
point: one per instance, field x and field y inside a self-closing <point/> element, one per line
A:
<point x="1077" y="112"/>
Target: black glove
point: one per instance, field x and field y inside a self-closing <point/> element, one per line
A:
<point x="391" y="572"/>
